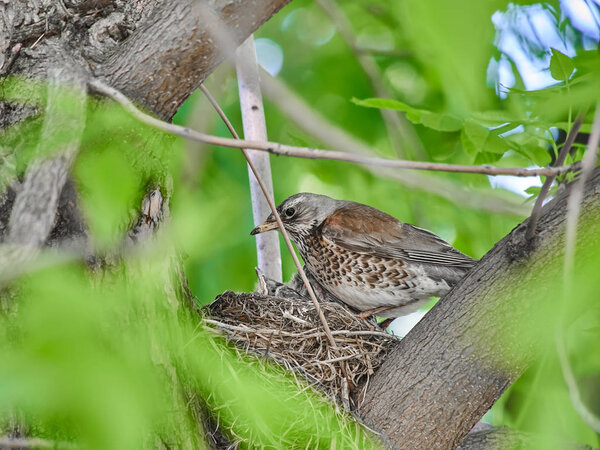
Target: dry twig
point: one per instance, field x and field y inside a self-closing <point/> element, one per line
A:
<point x="313" y="153"/>
<point x="273" y="208"/>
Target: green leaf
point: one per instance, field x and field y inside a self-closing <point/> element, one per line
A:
<point x="430" y="119"/>
<point x="483" y="158"/>
<point x="533" y="190"/>
<point x="108" y="188"/>
<point x="477" y="138"/>
<point x="561" y="66"/>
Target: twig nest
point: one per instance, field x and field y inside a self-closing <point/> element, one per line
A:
<point x="289" y="331"/>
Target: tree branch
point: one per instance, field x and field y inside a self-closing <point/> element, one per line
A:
<point x="255" y="128"/>
<point x="34" y="210"/>
<point x="178" y="46"/>
<point x="451" y="368"/>
<point x="313" y="153"/>
<point x="560" y="160"/>
<point x="573" y="211"/>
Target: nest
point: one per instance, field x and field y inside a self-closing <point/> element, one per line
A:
<point x="289" y="332"/>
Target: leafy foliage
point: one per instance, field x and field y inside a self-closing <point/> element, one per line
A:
<point x="117" y="360"/>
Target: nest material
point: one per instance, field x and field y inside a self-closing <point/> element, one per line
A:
<point x="289" y="331"/>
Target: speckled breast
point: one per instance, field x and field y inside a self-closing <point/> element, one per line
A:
<point x="362" y="281"/>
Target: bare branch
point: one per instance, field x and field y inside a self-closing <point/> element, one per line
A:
<point x="319" y="126"/>
<point x="34" y="211"/>
<point x="574" y="203"/>
<point x="398" y="128"/>
<point x="255" y="128"/>
<point x="560" y="160"/>
<point x="313" y="153"/>
<point x="273" y="208"/>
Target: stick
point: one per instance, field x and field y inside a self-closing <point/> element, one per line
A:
<point x="573" y="209"/>
<point x="286" y="237"/>
<point x="313" y="153"/>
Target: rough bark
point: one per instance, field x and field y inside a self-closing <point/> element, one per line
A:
<point x="157" y="52"/>
<point x="179" y="46"/>
<point x="503" y="438"/>
<point x="451" y="368"/>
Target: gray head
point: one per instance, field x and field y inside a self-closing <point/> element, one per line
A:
<point x="300" y="214"/>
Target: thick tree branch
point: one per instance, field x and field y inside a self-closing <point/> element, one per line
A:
<point x="162" y="63"/>
<point x="450" y="369"/>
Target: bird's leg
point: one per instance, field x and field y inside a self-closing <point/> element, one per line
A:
<point x="373" y="311"/>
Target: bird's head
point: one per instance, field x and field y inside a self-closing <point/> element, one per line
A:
<point x="300" y="214"/>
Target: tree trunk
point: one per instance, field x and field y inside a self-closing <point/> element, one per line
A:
<point x="456" y="362"/>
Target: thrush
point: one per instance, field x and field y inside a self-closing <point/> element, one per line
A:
<point x="366" y="258"/>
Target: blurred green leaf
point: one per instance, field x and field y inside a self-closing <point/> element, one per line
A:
<point x="477" y="138"/>
<point x="561" y="66"/>
<point x="108" y="186"/>
<point x="435" y="121"/>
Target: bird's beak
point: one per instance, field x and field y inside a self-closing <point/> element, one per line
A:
<point x="267" y="225"/>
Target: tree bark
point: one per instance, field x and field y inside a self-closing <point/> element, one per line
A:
<point x="452" y="367"/>
<point x="155" y="51"/>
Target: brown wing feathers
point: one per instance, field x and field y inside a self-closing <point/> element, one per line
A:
<point x="363" y="229"/>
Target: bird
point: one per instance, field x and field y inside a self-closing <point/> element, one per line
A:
<point x="366" y="258"/>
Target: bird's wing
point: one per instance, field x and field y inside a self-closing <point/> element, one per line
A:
<point x="367" y="230"/>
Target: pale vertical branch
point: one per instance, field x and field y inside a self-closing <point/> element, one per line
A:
<point x="253" y="117"/>
<point x="573" y="210"/>
<point x="574" y="203"/>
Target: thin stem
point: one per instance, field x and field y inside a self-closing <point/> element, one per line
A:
<point x="560" y="159"/>
<point x="313" y="153"/>
<point x="573" y="210"/>
<point x="574" y="202"/>
<point x="273" y="208"/>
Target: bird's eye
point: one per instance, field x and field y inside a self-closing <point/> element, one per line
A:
<point x="290" y="212"/>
